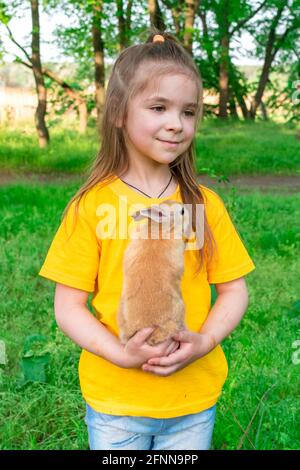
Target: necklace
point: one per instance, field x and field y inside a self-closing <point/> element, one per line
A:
<point x="148" y="194"/>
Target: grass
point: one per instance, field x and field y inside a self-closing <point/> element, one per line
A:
<point x="258" y="407"/>
<point x="248" y="148"/>
<point x="68" y="152"/>
<point x="232" y="148"/>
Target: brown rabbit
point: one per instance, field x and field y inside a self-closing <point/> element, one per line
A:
<point x="153" y="268"/>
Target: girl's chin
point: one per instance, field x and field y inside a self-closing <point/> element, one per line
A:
<point x="165" y="161"/>
<point x="165" y="156"/>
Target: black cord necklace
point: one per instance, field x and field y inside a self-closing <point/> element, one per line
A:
<point x="148" y="194"/>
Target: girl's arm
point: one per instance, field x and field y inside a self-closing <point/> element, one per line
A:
<point x="225" y="315"/>
<point x="227" y="311"/>
<point x="79" y="324"/>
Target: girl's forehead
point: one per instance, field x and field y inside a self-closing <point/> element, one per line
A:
<point x="168" y="84"/>
<point x="151" y="77"/>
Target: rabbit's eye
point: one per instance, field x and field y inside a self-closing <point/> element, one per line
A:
<point x="182" y="211"/>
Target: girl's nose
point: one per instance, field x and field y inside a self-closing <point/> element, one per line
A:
<point x="174" y="123"/>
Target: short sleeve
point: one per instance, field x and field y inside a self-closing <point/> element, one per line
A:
<point x="230" y="258"/>
<point x="74" y="254"/>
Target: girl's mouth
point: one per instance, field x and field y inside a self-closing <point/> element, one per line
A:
<point x="169" y="143"/>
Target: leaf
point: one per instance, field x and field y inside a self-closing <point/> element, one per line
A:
<point x="35" y="359"/>
<point x="35" y="344"/>
<point x="36" y="368"/>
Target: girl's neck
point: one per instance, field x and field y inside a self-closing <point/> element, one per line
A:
<point x="150" y="182"/>
<point x="151" y="185"/>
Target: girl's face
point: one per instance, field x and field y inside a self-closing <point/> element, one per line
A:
<point x="161" y="122"/>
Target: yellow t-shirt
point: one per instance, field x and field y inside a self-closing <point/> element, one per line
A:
<point x="91" y="260"/>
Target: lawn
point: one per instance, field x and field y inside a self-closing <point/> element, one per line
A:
<point x="232" y="148"/>
<point x="258" y="407"/>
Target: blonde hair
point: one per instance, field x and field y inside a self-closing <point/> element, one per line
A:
<point x="134" y="69"/>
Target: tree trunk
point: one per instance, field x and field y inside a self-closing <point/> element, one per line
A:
<point x="264" y="111"/>
<point x="99" y="61"/>
<point x="269" y="57"/>
<point x="156" y="17"/>
<point x="232" y="106"/>
<point x="121" y="24"/>
<point x="176" y="12"/>
<point x="124" y="24"/>
<point x="242" y="103"/>
<point x="83" y="117"/>
<point x="224" y="62"/>
<point x="74" y="94"/>
<point x="190" y="12"/>
<point x="43" y="134"/>
<point x="262" y="81"/>
<point x="237" y="93"/>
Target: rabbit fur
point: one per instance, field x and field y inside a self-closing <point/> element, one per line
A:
<point x="153" y="268"/>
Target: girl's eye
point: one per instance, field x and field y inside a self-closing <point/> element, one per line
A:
<point x="158" y="108"/>
<point x="190" y="113"/>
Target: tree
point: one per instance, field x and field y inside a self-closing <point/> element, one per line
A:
<point x="98" y="46"/>
<point x="71" y="91"/>
<point x="124" y="22"/>
<point x="84" y="41"/>
<point x="156" y="15"/>
<point x="183" y="14"/>
<point x="34" y="59"/>
<point x="40" y="113"/>
<point x="277" y="31"/>
<point x="227" y="19"/>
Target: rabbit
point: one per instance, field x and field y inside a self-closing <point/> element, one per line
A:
<point x="153" y="267"/>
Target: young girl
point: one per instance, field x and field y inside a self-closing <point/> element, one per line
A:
<point x="139" y="396"/>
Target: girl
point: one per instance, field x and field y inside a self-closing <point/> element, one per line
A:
<point x="139" y="396"/>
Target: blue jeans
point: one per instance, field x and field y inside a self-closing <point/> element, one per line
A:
<point x="111" y="432"/>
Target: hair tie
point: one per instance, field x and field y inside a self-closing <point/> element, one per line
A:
<point x="158" y="38"/>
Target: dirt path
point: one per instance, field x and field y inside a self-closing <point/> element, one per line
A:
<point x="264" y="183"/>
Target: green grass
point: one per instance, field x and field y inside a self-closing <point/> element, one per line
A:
<point x="248" y="148"/>
<point x="262" y="377"/>
<point x="68" y="152"/>
<point x="233" y="148"/>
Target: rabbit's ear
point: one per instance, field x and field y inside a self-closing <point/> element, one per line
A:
<point x="141" y="214"/>
<point x="155" y="213"/>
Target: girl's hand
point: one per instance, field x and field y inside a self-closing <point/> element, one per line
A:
<point x="138" y="351"/>
<point x="192" y="347"/>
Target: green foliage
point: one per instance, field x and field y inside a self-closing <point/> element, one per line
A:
<point x="284" y="17"/>
<point x="214" y="20"/>
<point x="4" y="15"/>
<point x="286" y="98"/>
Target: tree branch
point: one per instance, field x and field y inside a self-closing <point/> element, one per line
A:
<point x="68" y="89"/>
<point x="241" y="23"/>
<point x="17" y="44"/>
<point x="128" y="14"/>
<point x="280" y="42"/>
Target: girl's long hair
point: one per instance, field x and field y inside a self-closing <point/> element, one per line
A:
<point x="135" y="68"/>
